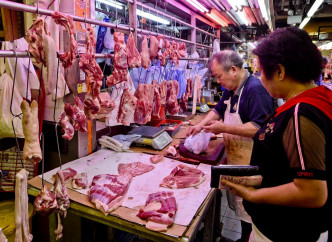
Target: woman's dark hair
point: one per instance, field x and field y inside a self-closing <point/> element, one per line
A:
<point x="292" y="48"/>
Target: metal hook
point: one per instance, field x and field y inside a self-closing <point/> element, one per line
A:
<point x="37" y="8"/>
<point x="14" y="79"/>
<point x="57" y="142"/>
<point x="28" y="76"/>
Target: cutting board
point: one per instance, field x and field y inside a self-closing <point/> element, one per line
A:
<point x="211" y="156"/>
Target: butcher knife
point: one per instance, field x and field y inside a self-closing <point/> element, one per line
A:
<point x="231" y="170"/>
<point x="179" y="158"/>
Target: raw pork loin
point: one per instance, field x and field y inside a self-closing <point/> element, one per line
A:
<point x="144" y="94"/>
<point x="135" y="168"/>
<point x="66" y="21"/>
<point x="31" y="150"/>
<point x="159" y="211"/>
<point x="127" y="107"/>
<point x="157" y="158"/>
<point x="108" y="191"/>
<point x="183" y="176"/>
<point x="134" y="58"/>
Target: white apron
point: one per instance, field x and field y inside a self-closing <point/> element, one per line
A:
<point x="238" y="152"/>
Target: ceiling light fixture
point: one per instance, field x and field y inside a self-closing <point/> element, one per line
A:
<point x="262" y="7"/>
<point x="152" y="17"/>
<point x="111" y="3"/>
<point x="311" y="12"/>
<point x="216" y="19"/>
<point x="197" y="5"/>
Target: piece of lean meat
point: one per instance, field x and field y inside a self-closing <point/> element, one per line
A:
<point x="172" y="105"/>
<point x="67" y="128"/>
<point x="135" y="168"/>
<point x="120" y="53"/>
<point x="80" y="181"/>
<point x="127" y="108"/>
<point x="183" y="176"/>
<point x="161" y="45"/>
<point x="145" y="55"/>
<point x="159" y="211"/>
<point x="108" y="191"/>
<point x="157" y="158"/>
<point x="118" y="75"/>
<point x="144" y="94"/>
<point x="31" y="150"/>
<point x="134" y="58"/>
<point x="154" y="43"/>
<point x="66" y="21"/>
<point x="45" y="202"/>
<point x="163" y="92"/>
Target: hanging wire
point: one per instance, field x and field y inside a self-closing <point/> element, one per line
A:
<point x="56" y="90"/>
<point x="11" y="99"/>
<point x="42" y="161"/>
<point x="28" y="76"/>
<point x="57" y="142"/>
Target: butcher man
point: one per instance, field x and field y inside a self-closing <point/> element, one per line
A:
<point x="238" y="115"/>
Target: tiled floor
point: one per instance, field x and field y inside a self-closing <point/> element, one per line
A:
<point x="231" y="224"/>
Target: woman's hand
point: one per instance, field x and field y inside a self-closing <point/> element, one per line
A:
<point x="239" y="190"/>
<point x="192" y="130"/>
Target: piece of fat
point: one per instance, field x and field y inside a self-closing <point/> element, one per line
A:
<point x="156" y="226"/>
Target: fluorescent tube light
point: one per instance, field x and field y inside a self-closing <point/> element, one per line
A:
<point x="314" y="7"/>
<point x="152" y="17"/>
<point x="242" y="17"/>
<point x="197" y="5"/>
<point x="304" y="22"/>
<point x="263" y="9"/>
<point x="215" y="18"/>
<point x="111" y="3"/>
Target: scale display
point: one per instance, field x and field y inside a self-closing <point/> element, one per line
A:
<point x="156" y="137"/>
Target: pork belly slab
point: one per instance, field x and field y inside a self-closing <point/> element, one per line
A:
<point x="159" y="211"/>
<point x="134" y="168"/>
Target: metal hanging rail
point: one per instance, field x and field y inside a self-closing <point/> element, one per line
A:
<point x="25" y="54"/>
<point x="175" y="19"/>
<point x="31" y="9"/>
<point x="147" y="32"/>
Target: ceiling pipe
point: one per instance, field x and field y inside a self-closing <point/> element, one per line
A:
<point x="219" y="4"/>
<point x="226" y="4"/>
<point x="233" y="18"/>
<point x="214" y="5"/>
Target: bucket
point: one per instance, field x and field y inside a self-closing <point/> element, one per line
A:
<point x="7" y="218"/>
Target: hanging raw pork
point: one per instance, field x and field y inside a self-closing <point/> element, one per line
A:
<point x="144" y="94"/>
<point x="66" y="21"/>
<point x="172" y="106"/>
<point x="154" y="43"/>
<point x="145" y="55"/>
<point x="127" y="108"/>
<point x="159" y="211"/>
<point x="161" y="45"/>
<point x="156" y="99"/>
<point x="134" y="58"/>
<point x="31" y="150"/>
<point x="45" y="202"/>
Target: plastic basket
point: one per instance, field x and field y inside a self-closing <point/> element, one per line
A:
<point x="10" y="164"/>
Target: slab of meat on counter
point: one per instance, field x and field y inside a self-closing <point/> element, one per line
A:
<point x="183" y="176"/>
<point x="157" y="158"/>
<point x="80" y="181"/>
<point x="144" y="94"/>
<point x="135" y="169"/>
<point x="159" y="211"/>
<point x="127" y="108"/>
<point x="134" y="58"/>
<point x="108" y="191"/>
<point x="31" y="150"/>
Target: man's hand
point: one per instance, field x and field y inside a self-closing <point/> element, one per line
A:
<point x="239" y="190"/>
<point x="194" y="130"/>
<point x="215" y="127"/>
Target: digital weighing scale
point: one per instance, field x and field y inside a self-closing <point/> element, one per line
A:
<point x="156" y="137"/>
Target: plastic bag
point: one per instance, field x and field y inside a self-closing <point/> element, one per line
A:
<point x="6" y="128"/>
<point x="216" y="46"/>
<point x="101" y="34"/>
<point x="198" y="143"/>
<point x="126" y="140"/>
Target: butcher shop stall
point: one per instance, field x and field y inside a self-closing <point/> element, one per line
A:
<point x="96" y="99"/>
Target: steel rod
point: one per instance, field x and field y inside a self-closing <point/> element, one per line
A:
<point x="32" y="9"/>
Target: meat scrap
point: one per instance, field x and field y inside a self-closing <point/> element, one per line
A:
<point x="134" y="58"/>
<point x="45" y="202"/>
<point x="144" y="94"/>
<point x="62" y="198"/>
<point x="183" y="176"/>
<point x="159" y="211"/>
<point x="31" y="150"/>
<point x="80" y="181"/>
<point x="67" y="128"/>
<point x="66" y="21"/>
<point x="156" y="159"/>
<point x="21" y="207"/>
<point x="108" y="191"/>
<point x="42" y="48"/>
<point x="127" y="108"/>
<point x="68" y="173"/>
<point x="134" y="168"/>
